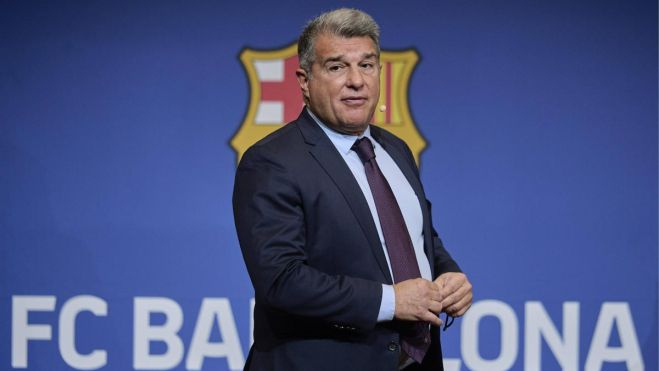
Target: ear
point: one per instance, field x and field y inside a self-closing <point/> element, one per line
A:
<point x="303" y="80"/>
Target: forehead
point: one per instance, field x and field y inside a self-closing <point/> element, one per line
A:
<point x="332" y="46"/>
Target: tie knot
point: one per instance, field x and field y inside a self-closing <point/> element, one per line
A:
<point x="364" y="149"/>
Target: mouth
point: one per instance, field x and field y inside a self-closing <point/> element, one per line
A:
<point x="354" y="101"/>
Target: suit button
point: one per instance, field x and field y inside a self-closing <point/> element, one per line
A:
<point x="392" y="346"/>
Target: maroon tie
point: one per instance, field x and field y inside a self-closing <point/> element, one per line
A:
<point x="415" y="340"/>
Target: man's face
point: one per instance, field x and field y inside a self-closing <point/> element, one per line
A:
<point x="344" y="86"/>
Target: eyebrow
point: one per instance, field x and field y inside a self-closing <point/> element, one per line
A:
<point x="340" y="57"/>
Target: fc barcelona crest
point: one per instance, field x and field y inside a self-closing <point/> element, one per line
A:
<point x="275" y="96"/>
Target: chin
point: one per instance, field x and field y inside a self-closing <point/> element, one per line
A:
<point x="355" y="128"/>
<point x="357" y="121"/>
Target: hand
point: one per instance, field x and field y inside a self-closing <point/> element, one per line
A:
<point x="456" y="292"/>
<point x="418" y="300"/>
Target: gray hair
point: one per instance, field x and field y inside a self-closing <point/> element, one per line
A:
<point x="342" y="22"/>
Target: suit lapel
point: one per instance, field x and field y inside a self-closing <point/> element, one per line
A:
<point x="322" y="149"/>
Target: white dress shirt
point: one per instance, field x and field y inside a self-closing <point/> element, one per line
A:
<point x="404" y="194"/>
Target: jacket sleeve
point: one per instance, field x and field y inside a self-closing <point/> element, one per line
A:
<point x="270" y="220"/>
<point x="443" y="261"/>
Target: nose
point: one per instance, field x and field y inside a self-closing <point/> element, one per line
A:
<point x="355" y="80"/>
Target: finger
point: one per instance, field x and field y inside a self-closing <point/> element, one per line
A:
<point x="435" y="307"/>
<point x="450" y="300"/>
<point x="454" y="283"/>
<point x="459" y="308"/>
<point x="455" y="297"/>
<point x="462" y="311"/>
<point x="440" y="282"/>
<point x="432" y="318"/>
<point x="448" y="289"/>
<point x="436" y="296"/>
<point x="460" y="289"/>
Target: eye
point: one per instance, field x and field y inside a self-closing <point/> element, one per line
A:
<point x="335" y="67"/>
<point x="368" y="65"/>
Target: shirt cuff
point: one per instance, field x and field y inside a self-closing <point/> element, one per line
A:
<point x="388" y="304"/>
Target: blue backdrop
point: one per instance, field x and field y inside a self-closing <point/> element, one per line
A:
<point x="117" y="245"/>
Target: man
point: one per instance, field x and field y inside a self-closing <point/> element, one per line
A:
<point x="336" y="233"/>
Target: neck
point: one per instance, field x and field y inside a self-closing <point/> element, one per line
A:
<point x="356" y="131"/>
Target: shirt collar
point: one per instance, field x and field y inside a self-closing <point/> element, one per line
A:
<point x="342" y="142"/>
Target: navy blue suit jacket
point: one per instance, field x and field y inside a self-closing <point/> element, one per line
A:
<point x="314" y="256"/>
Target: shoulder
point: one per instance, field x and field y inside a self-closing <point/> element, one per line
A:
<point x="287" y="150"/>
<point x="280" y="144"/>
<point x="281" y="138"/>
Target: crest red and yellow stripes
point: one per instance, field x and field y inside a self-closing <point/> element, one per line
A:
<point x="275" y="96"/>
